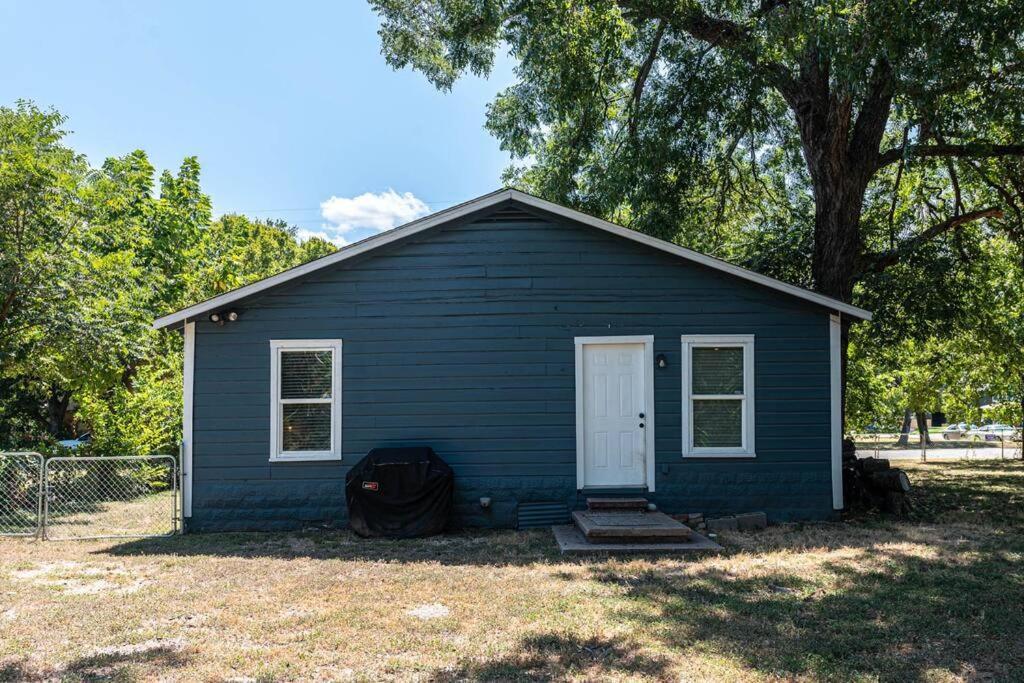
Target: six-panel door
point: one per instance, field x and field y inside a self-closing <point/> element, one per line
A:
<point x="614" y="416"/>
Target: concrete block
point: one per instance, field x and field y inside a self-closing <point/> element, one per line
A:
<point x="752" y="521"/>
<point x="722" y="524"/>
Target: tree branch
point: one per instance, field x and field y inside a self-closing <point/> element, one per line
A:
<point x="717" y="32"/>
<point x="873" y="116"/>
<point x="768" y="6"/>
<point x="896" y="191"/>
<point x="876" y="263"/>
<point x="976" y="150"/>
<point x="642" y="74"/>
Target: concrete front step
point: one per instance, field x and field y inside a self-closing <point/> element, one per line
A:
<point x="606" y="503"/>
<point x="601" y="526"/>
<point x="571" y="541"/>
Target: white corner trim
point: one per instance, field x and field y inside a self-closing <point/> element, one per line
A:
<point x="187" y="401"/>
<point x="835" y="350"/>
<point x="335" y="347"/>
<point x="649" y="431"/>
<point x="749" y="414"/>
<point x="484" y="202"/>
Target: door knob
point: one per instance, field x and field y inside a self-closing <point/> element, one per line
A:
<point x="641" y="425"/>
<point x="641" y="416"/>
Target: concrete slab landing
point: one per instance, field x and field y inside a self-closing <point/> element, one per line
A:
<point x="571" y="542"/>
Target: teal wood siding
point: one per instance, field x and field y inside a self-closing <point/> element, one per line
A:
<point x="461" y="338"/>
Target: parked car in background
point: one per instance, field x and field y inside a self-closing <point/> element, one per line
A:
<point x="992" y="432"/>
<point x="74" y="444"/>
<point x="956" y="431"/>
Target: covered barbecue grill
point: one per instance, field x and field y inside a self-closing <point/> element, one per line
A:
<point x="399" y="493"/>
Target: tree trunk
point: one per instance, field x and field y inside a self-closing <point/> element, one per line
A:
<point x="890" y="480"/>
<point x="838" y="199"/>
<point x="841" y="153"/>
<point x="922" y="429"/>
<point x="56" y="410"/>
<point x="905" y="429"/>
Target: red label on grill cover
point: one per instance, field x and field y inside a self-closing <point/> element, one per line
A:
<point x="371" y="486"/>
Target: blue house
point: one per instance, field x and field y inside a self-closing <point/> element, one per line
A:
<point x="543" y="353"/>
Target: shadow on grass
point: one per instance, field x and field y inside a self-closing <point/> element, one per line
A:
<point x="990" y="492"/>
<point x="118" y="665"/>
<point x="477" y="547"/>
<point x="937" y="595"/>
<point x="558" y="656"/>
<point x="880" y="613"/>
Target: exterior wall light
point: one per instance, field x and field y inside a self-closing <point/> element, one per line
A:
<point x="221" y="318"/>
<point x="661" y="361"/>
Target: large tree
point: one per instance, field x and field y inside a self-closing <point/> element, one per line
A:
<point x="41" y="221"/>
<point x="650" y="110"/>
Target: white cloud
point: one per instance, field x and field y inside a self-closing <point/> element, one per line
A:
<point x="377" y="212"/>
<point x="337" y="240"/>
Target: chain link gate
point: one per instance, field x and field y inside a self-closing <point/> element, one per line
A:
<point x="21" y="494"/>
<point x="110" y="497"/>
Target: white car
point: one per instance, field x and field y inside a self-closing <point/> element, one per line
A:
<point x="993" y="432"/>
<point x="75" y="444"/>
<point x="956" y="431"/>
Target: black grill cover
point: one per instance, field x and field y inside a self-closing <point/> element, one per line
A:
<point x="400" y="493"/>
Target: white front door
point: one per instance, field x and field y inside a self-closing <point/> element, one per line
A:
<point x="614" y="415"/>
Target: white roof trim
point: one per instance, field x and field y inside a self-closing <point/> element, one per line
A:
<point x="479" y="204"/>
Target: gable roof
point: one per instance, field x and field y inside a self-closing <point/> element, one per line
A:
<point x="484" y="202"/>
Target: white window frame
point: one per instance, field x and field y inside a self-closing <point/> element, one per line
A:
<point x="277" y="454"/>
<point x="745" y="342"/>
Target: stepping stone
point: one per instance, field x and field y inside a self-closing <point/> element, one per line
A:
<point x="617" y="504"/>
<point x="624" y="526"/>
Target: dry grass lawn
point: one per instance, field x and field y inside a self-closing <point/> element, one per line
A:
<point x="936" y="598"/>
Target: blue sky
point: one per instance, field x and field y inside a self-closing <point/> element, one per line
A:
<point x="286" y="104"/>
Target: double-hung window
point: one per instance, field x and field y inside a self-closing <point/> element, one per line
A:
<point x="305" y="399"/>
<point x="718" y="396"/>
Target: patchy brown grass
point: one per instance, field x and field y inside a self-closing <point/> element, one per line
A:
<point x="148" y="515"/>
<point x="934" y="598"/>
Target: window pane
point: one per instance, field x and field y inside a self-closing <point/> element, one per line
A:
<point x="717" y="371"/>
<point x="305" y="374"/>
<point x="718" y="424"/>
<point x="306" y="427"/>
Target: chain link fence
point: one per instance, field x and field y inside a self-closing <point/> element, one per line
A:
<point x="88" y="497"/>
<point x="21" y="494"/>
<point x="964" y="444"/>
<point x="110" y="497"/>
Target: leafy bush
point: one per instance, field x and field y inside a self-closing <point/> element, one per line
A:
<point x="143" y="418"/>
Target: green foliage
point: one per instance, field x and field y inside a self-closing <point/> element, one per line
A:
<point x="88" y="258"/>
<point x="235" y="250"/>
<point x="838" y="144"/>
<point x="680" y="119"/>
<point x="143" y="418"/>
<point x="41" y="219"/>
